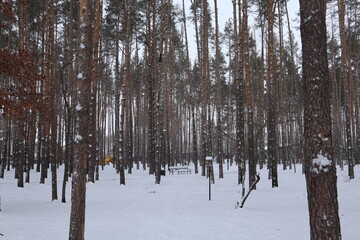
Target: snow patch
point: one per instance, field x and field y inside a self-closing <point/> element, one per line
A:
<point x="320" y="164"/>
<point x="80" y="76"/>
<point x="78" y="107"/>
<point x="78" y="138"/>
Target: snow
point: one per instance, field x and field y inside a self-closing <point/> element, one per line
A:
<point x="80" y="76"/>
<point x="78" y="107"/>
<point x="178" y="208"/>
<point x="78" y="138"/>
<point x="321" y="163"/>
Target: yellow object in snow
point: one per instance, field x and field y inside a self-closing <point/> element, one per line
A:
<point x="108" y="159"/>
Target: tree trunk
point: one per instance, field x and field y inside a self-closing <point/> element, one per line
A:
<point x="347" y="89"/>
<point x="272" y="143"/>
<point x="219" y="150"/>
<point x="151" y="51"/>
<point x="192" y="102"/>
<point x="249" y="96"/>
<point x="127" y="87"/>
<point x="320" y="170"/>
<point x="96" y="15"/>
<point x="52" y="63"/>
<point x="118" y="141"/>
<point x="78" y="192"/>
<point x="336" y="115"/>
<point x="293" y="101"/>
<point x="19" y="121"/>
<point x="282" y="113"/>
<point x="238" y="80"/>
<point x="204" y="83"/>
<point x="261" y="104"/>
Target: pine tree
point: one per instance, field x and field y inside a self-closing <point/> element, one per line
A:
<point x="53" y="90"/>
<point x="219" y="143"/>
<point x="78" y="191"/>
<point x="320" y="170"/>
<point x="272" y="142"/>
<point x="345" y="73"/>
<point x="249" y="96"/>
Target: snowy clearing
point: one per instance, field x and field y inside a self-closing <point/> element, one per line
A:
<point x="178" y="208"/>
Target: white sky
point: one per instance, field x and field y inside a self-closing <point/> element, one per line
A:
<point x="225" y="9"/>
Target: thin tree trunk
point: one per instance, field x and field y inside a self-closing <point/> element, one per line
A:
<point x="281" y="101"/>
<point x="20" y="120"/>
<point x="347" y="89"/>
<point x="336" y="116"/>
<point x="238" y="80"/>
<point x="271" y="95"/>
<point x="249" y="96"/>
<point x="118" y="143"/>
<point x="294" y="101"/>
<point x="219" y="143"/>
<point x="52" y="62"/>
<point x="204" y="83"/>
<point x="127" y="87"/>
<point x="261" y="104"/>
<point x="151" y="51"/>
<point x="94" y="83"/>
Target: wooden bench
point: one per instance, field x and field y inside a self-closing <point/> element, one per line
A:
<point x="180" y="170"/>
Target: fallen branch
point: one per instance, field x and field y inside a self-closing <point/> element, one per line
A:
<point x="252" y="187"/>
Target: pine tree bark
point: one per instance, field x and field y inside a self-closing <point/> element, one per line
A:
<point x="320" y="170"/>
<point x="347" y="89"/>
<point x="204" y="83"/>
<point x="151" y="52"/>
<point x="127" y="87"/>
<point x="219" y="143"/>
<point x="78" y="192"/>
<point x="238" y="80"/>
<point x="53" y="85"/>
<point x="19" y="121"/>
<point x="281" y="102"/>
<point x="96" y="15"/>
<point x="120" y="138"/>
<point x="249" y="96"/>
<point x="272" y="142"/>
<point x="118" y="141"/>
<point x="261" y="103"/>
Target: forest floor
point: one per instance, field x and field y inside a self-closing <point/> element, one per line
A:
<point x="178" y="208"/>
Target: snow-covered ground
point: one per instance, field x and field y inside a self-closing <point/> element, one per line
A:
<point x="178" y="208"/>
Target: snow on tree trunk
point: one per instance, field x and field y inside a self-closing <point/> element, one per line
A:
<point x="320" y="170"/>
<point x="78" y="191"/>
